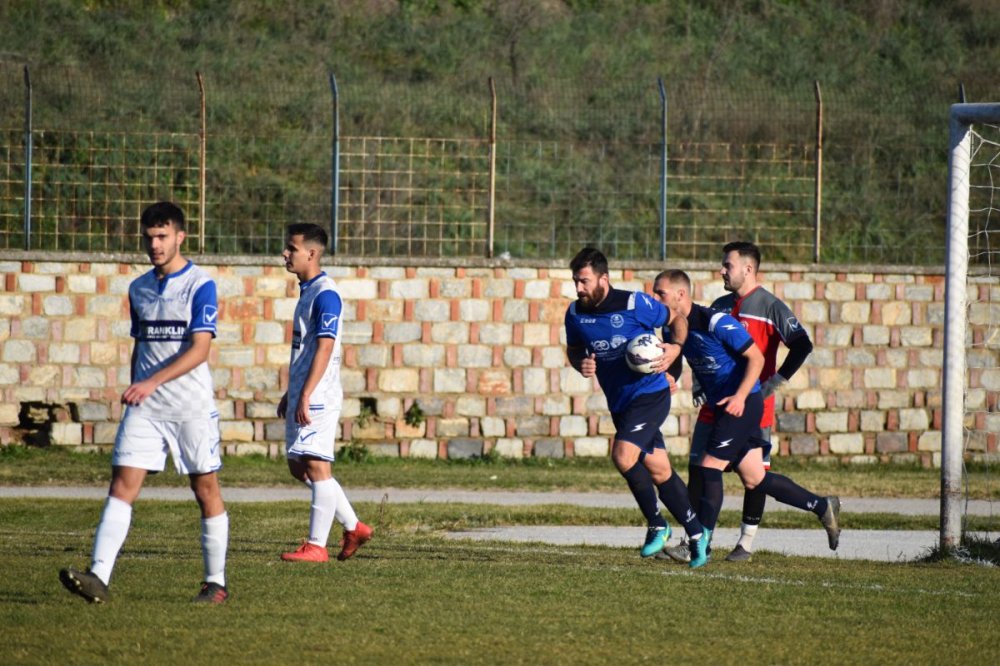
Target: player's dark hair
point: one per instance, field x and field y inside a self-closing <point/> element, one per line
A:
<point x="590" y="256"/>
<point x="745" y="249"/>
<point x="161" y="214"/>
<point x="675" y="276"/>
<point x="311" y="233"/>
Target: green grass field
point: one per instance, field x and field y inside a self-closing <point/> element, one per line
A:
<point x="412" y="596"/>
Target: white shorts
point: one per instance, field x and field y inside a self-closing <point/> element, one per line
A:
<point x="315" y="440"/>
<point x="144" y="443"/>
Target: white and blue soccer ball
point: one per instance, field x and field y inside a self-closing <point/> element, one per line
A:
<point x="642" y="351"/>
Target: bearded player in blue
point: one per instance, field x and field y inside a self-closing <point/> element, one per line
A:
<point x="727" y="364"/>
<point x="599" y="325"/>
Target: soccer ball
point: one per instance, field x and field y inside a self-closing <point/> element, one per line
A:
<point x="642" y="351"/>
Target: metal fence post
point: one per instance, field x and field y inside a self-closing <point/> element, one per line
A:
<point x="202" y="152"/>
<point x="818" y="195"/>
<point x="663" y="170"/>
<point x="335" y="166"/>
<point x="492" y="197"/>
<point x="27" y="159"/>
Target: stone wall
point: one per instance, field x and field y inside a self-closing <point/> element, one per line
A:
<point x="478" y="347"/>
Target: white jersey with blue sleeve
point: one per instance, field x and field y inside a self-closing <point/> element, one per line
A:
<point x="165" y="313"/>
<point x="605" y="331"/>
<point x="318" y="315"/>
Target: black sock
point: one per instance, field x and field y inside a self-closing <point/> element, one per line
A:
<point x="788" y="492"/>
<point x="695" y="485"/>
<point x="674" y="496"/>
<point x="753" y="506"/>
<point x="641" y="485"/>
<point x="711" y="499"/>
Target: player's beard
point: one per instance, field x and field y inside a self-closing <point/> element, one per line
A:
<point x="594" y="299"/>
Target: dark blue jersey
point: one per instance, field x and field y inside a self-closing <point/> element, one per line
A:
<point x="714" y="350"/>
<point x="605" y="332"/>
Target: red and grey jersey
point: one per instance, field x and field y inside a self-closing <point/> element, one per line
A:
<point x="770" y="322"/>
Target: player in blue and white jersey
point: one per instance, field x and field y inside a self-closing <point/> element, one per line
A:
<point x="727" y="364"/>
<point x="599" y="325"/>
<point x="170" y="406"/>
<point x="311" y="406"/>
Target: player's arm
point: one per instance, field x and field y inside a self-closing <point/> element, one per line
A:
<point x="798" y="350"/>
<point x="581" y="360"/>
<point x="755" y="363"/>
<point x="191" y="358"/>
<point x="324" y="350"/>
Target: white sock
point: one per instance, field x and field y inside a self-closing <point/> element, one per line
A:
<point x="111" y="532"/>
<point x="345" y="512"/>
<point x="747" y="533"/>
<point x="324" y="508"/>
<point x="214" y="543"/>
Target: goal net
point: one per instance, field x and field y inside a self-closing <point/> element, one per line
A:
<point x="971" y="387"/>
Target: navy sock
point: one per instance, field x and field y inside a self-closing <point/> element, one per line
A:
<point x="641" y="485"/>
<point x="695" y="485"/>
<point x="711" y="498"/>
<point x="753" y="506"/>
<point x="674" y="496"/>
<point x="788" y="492"/>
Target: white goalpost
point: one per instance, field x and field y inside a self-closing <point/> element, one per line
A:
<point x="973" y="163"/>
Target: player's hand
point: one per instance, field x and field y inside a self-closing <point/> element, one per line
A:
<point x="773" y="383"/>
<point x="139" y="391"/>
<point x="670" y="354"/>
<point x="283" y="406"/>
<point x="588" y="366"/>
<point x="302" y="411"/>
<point x="673" y="384"/>
<point x="698" y="398"/>
<point x="733" y="405"/>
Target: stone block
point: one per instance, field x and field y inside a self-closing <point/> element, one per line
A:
<point x="891" y="442"/>
<point x="535" y="381"/>
<point x="399" y="332"/>
<point x="81" y="284"/>
<point x="914" y="292"/>
<point x="879" y="291"/>
<point x="399" y="380"/>
<point x="357" y="332"/>
<point x="474" y="309"/>
<point x="916" y="336"/>
<point x="537" y="335"/>
<point x="384" y="449"/>
<point x="235" y="431"/>
<point x="454" y="288"/>
<point x="837" y="336"/>
<point x="417" y="288"/>
<point x="80" y="329"/>
<point x="839" y="291"/>
<point x="893" y="399"/>
<point x="67" y="434"/>
<point x="9" y="414"/>
<point x="516" y="357"/>
<point x="492" y="426"/>
<point x="554" y="357"/>
<point x="449" y="380"/>
<point x="880" y="378"/>
<point x="36" y="328"/>
<point x="432" y="310"/>
<point x="799" y="291"/>
<point x="238" y="357"/>
<point x="272" y="286"/>
<point x="393" y="272"/>
<point x="283" y="309"/>
<point x="269" y="333"/>
<point x="591" y="447"/>
<point x="556" y="405"/>
<point x="57" y="306"/>
<point x="515" y="406"/>
<point x="815" y="312"/>
<point x="32" y="282"/>
<point x="450" y="332"/>
<point x="929" y="441"/>
<point x="423" y="448"/>
<point x="470" y="406"/>
<point x="831" y="422"/>
<point x="423" y="356"/>
<point x="549" y="448"/>
<point x="573" y="383"/>
<point x="847" y="443"/>
<point x="496" y="334"/>
<point x="923" y="378"/>
<point x="791" y="422"/>
<point x="914" y="419"/>
<point x="872" y="420"/>
<point x="573" y="426"/>
<point x="515" y="311"/>
<point x="803" y="445"/>
<point x="896" y="313"/>
<point x="463" y="448"/>
<point x="104" y="433"/>
<point x="494" y="383"/>
<point x="64" y="352"/>
<point x="509" y="447"/>
<point x="19" y="351"/>
<point x="377" y="356"/>
<point x="498" y="288"/>
<point x="475" y="356"/>
<point x="875" y="335"/>
<point x="452" y="427"/>
<point x="811" y="399"/>
<point x="528" y="426"/>
<point x="835" y="378"/>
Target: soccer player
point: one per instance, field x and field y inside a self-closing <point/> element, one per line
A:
<point x="311" y="406"/>
<point x="770" y="323"/>
<point x="727" y="364"/>
<point x="169" y="407"/>
<point x="599" y="326"/>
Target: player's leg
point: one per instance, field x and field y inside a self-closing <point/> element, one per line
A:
<point x="754" y="501"/>
<point x="699" y="440"/>
<point x="786" y="491"/>
<point x="140" y="447"/>
<point x="636" y="427"/>
<point x="671" y="489"/>
<point x="195" y="450"/>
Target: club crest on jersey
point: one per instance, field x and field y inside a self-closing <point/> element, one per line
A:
<point x="617" y="341"/>
<point x="617" y="321"/>
<point x="600" y="345"/>
<point x="793" y="323"/>
<point x="209" y="314"/>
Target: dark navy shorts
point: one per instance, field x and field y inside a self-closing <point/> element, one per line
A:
<point x="640" y="422"/>
<point x="733" y="436"/>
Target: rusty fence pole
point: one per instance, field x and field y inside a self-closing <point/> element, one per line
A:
<point x="492" y="196"/>
<point x="27" y="158"/>
<point x="334" y="166"/>
<point x="663" y="170"/>
<point x="818" y="196"/>
<point x="202" y="152"/>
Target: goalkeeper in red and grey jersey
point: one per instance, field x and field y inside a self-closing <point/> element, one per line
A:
<point x="770" y="323"/>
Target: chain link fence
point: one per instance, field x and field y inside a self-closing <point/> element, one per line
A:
<point x="572" y="166"/>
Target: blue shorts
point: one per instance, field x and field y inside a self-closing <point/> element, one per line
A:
<point x="640" y="423"/>
<point x="703" y="431"/>
<point x="732" y="437"/>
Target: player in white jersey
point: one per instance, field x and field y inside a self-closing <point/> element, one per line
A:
<point x="311" y="406"/>
<point x="169" y="407"/>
